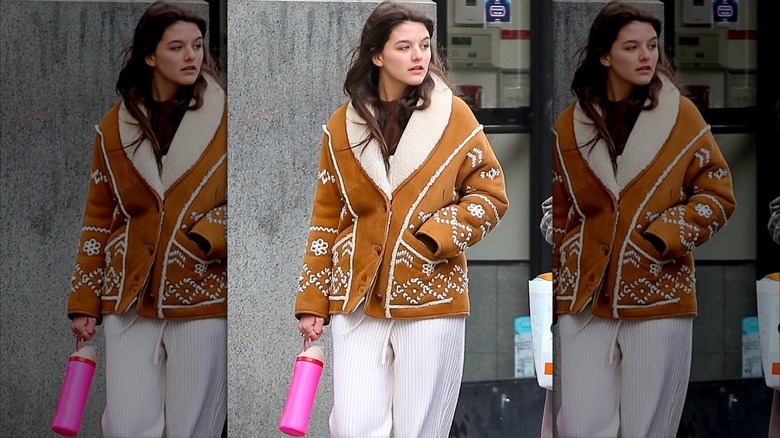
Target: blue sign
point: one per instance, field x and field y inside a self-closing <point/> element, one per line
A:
<point x="497" y="11"/>
<point x="725" y="11"/>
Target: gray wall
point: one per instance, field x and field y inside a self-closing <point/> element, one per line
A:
<point x="58" y="65"/>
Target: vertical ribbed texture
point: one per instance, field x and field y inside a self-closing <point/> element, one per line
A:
<point x="196" y="394"/>
<point x="656" y="368"/>
<point x="168" y="375"/>
<point x="395" y="375"/>
<point x="622" y="378"/>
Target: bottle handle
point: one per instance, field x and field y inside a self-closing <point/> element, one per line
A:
<point x="307" y="343"/>
<point x="79" y="343"/>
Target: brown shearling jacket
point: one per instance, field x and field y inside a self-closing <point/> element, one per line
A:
<point x="672" y="182"/>
<point x="136" y="245"/>
<point x="444" y="182"/>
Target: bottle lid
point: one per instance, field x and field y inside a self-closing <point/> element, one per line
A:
<point x="86" y="352"/>
<point x="314" y="352"/>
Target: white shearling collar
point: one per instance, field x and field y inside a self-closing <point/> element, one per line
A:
<point x="422" y="133"/>
<point x="193" y="136"/>
<point x="648" y="136"/>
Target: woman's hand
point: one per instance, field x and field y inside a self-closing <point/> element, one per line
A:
<point x="84" y="326"/>
<point x="311" y="326"/>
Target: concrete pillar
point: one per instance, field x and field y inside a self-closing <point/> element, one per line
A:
<point x="287" y="62"/>
<point x="59" y="61"/>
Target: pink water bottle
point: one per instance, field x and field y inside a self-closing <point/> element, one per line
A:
<point x="75" y="388"/>
<point x="303" y="388"/>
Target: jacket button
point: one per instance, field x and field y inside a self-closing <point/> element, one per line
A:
<point x="378" y="297"/>
<point x="149" y="249"/>
<point x="378" y="249"/>
<point x="604" y="249"/>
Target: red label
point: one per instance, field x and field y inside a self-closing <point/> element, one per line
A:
<point x="83" y="359"/>
<point x="310" y="359"/>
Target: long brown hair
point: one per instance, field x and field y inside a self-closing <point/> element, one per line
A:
<point x="590" y="78"/>
<point x="135" y="78"/>
<point x="362" y="81"/>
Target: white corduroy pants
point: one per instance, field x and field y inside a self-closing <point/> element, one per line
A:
<point x="165" y="378"/>
<point x="623" y="378"/>
<point x="395" y="376"/>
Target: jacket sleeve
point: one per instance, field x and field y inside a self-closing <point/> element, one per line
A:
<point x="707" y="205"/>
<point x="100" y="211"/>
<point x="774" y="220"/>
<point x="482" y="204"/>
<point x="545" y="225"/>
<point x="327" y="209"/>
<point x="210" y="231"/>
<point x="561" y="208"/>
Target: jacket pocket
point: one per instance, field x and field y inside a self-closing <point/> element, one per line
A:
<point x="646" y="280"/>
<point x="114" y="262"/>
<point x="343" y="255"/>
<point x="189" y="279"/>
<point x="418" y="279"/>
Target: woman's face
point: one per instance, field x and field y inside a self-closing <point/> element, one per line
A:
<point x="176" y="60"/>
<point x="632" y="59"/>
<point x="404" y="60"/>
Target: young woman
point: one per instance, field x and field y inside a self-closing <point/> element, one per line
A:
<point x="407" y="182"/>
<point x="152" y="259"/>
<point x="638" y="183"/>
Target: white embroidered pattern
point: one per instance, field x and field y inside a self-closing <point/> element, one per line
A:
<point x="688" y="234"/>
<point x="98" y="177"/>
<point x="320" y="279"/>
<point x="91" y="247"/>
<point x="703" y="210"/>
<point x="323" y="229"/>
<point x="475" y="155"/>
<point x="441" y="286"/>
<point x="324" y="177"/>
<point x="476" y="210"/>
<point x="718" y="174"/>
<point x="93" y="280"/>
<point x="491" y="174"/>
<point x="319" y="247"/>
<point x="461" y="234"/>
<point x="180" y="287"/>
<point x="703" y="155"/>
<point x="96" y="229"/>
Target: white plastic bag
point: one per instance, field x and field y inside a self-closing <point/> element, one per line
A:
<point x="768" y="303"/>
<point x="540" y="303"/>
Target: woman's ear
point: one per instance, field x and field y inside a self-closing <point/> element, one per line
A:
<point x="376" y="58"/>
<point x="150" y="60"/>
<point x="604" y="59"/>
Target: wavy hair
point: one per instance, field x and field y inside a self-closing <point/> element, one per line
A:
<point x="362" y="81"/>
<point x="134" y="84"/>
<point x="590" y="78"/>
